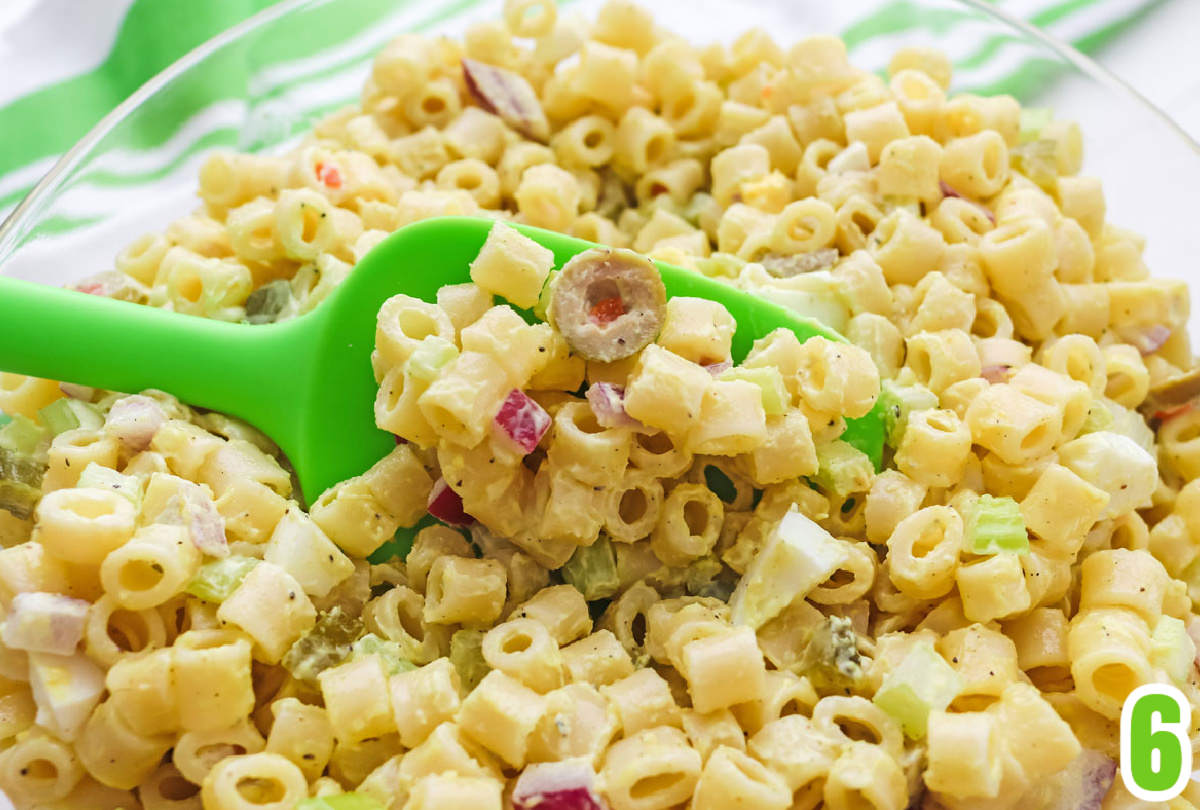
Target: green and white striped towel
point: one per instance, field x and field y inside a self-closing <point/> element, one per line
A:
<point x="67" y="63"/>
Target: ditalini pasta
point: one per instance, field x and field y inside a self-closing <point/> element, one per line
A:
<point x="654" y="578"/>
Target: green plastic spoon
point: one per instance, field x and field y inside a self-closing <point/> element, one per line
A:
<point x="307" y="383"/>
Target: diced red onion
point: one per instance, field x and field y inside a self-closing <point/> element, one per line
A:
<point x="608" y="404"/>
<point x="522" y="421"/>
<point x="995" y="373"/>
<point x="509" y="96"/>
<point x="949" y="191"/>
<point x="565" y="785"/>
<point x="194" y="509"/>
<point x="45" y="622"/>
<point x="1148" y="339"/>
<point x="446" y="505"/>
<point x="717" y="369"/>
<point x="1098" y="774"/>
<point x="134" y="420"/>
<point x="74" y="391"/>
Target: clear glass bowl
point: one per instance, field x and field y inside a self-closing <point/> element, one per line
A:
<point x="257" y="86"/>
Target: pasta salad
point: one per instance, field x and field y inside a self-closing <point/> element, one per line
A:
<point x="649" y="574"/>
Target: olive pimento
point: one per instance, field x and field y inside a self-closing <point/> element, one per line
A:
<point x="608" y="304"/>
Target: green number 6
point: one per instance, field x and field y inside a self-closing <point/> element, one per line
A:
<point x="1156" y="755"/>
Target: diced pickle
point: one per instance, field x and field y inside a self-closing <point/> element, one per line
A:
<point x="329" y="643"/>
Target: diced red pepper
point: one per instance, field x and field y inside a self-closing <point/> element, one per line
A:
<point x="329" y="175"/>
<point x="606" y="311"/>
<point x="522" y="421"/>
<point x="446" y="505"/>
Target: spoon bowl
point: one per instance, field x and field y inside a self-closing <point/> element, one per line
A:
<point x="307" y="382"/>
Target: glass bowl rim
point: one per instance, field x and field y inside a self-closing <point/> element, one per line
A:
<point x="49" y="183"/>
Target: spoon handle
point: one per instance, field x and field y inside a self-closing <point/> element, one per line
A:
<point x="244" y="370"/>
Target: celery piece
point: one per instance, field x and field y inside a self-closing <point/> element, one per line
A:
<point x="922" y="683"/>
<point x="843" y="468"/>
<point x="388" y="651"/>
<point x="1172" y="649"/>
<point x="798" y="556"/>
<point x="720" y="265"/>
<point x="219" y="578"/>
<point x="898" y="402"/>
<point x="23" y="436"/>
<point x="1037" y="161"/>
<point x="99" y="477"/>
<point x="831" y="660"/>
<point x="1033" y="121"/>
<point x="1098" y="418"/>
<point x="592" y="570"/>
<point x="4" y="419"/>
<point x="341" y="801"/>
<point x="430" y="356"/>
<point x="775" y="396"/>
<point x="329" y="643"/>
<point x="268" y="302"/>
<point x="543" y="302"/>
<point x="66" y="414"/>
<point x="466" y="654"/>
<point x="996" y="525"/>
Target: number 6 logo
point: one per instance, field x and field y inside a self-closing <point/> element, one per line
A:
<point x="1156" y="755"/>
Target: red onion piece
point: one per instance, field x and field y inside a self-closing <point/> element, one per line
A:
<point x="45" y="622"/>
<point x="717" y="369"/>
<point x="134" y="420"/>
<point x="608" y="404"/>
<point x="565" y="785"/>
<point x="204" y="523"/>
<point x="522" y="421"/>
<point x="949" y="191"/>
<point x="1147" y="339"/>
<point x="74" y="391"/>
<point x="446" y="505"/>
<point x="1096" y="779"/>
<point x="995" y="373"/>
<point x="509" y="96"/>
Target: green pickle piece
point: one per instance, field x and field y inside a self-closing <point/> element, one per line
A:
<point x="996" y="526"/>
<point x="23" y="436"/>
<point x="268" y="302"/>
<point x="831" y="660"/>
<point x="592" y="570"/>
<point x="330" y="642"/>
<point x="466" y="654"/>
<point x="388" y="651"/>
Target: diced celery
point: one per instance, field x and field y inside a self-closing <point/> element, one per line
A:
<point x="922" y="683"/>
<point x="592" y="570"/>
<point x="388" y="651"/>
<point x="466" y="654"/>
<point x="217" y="579"/>
<point x="720" y="265"/>
<point x="843" y="468"/>
<point x="430" y="356"/>
<point x="342" y="801"/>
<point x="1172" y="649"/>
<point x="269" y="301"/>
<point x="898" y="402"/>
<point x="831" y="659"/>
<point x="1037" y="161"/>
<point x="798" y="556"/>
<point x="996" y="525"/>
<point x="775" y="396"/>
<point x="4" y="419"/>
<point x="1033" y="121"/>
<point x="1098" y="418"/>
<point x="329" y="643"/>
<point x="23" y="436"/>
<point x="66" y="414"/>
<point x="543" y="302"/>
<point x="98" y="477"/>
